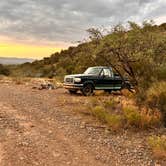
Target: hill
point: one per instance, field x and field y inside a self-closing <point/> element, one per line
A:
<point x="16" y="61"/>
<point x="77" y="59"/>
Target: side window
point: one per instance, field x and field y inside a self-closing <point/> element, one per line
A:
<point x="102" y="73"/>
<point x="107" y="73"/>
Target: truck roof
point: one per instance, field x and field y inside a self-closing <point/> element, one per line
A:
<point x="102" y="66"/>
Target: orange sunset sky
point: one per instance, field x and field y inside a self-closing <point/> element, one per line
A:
<point x="21" y="50"/>
<point x="36" y="29"/>
<point x="26" y="51"/>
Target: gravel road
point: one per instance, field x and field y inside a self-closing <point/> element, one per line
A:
<point x="41" y="128"/>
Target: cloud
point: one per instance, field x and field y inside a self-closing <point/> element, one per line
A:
<point x="64" y="21"/>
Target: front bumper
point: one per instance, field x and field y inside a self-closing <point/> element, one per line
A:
<point x="72" y="86"/>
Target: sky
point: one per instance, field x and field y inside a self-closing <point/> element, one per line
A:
<point x="38" y="28"/>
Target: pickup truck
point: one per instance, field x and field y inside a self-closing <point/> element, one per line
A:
<point x="94" y="78"/>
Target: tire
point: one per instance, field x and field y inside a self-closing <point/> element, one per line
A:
<point x="72" y="91"/>
<point x="87" y="90"/>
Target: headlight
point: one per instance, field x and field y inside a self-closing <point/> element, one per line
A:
<point x="77" y="79"/>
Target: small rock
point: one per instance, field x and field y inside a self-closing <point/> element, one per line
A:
<point x="97" y="157"/>
<point x="21" y="158"/>
<point x="68" y="163"/>
<point x="82" y="127"/>
<point x="56" y="154"/>
<point x="50" y="132"/>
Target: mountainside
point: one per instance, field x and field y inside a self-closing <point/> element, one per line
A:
<point x="9" y="61"/>
<point x="132" y="51"/>
<point x="77" y="59"/>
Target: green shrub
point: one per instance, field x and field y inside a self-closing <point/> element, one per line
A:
<point x="150" y="118"/>
<point x="114" y="121"/>
<point x="4" y="70"/>
<point x="158" y="145"/>
<point x="156" y="97"/>
<point x="99" y="112"/>
<point x="132" y="116"/>
<point x="143" y="119"/>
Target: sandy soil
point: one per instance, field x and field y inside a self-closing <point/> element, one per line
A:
<point x="41" y="128"/>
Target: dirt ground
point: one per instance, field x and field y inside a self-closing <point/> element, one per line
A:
<point x="39" y="127"/>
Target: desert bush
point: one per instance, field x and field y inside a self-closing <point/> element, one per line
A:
<point x="156" y="98"/>
<point x="99" y="112"/>
<point x="158" y="145"/>
<point x="4" y="70"/>
<point x="114" y="121"/>
<point x="143" y="118"/>
<point x="132" y="116"/>
<point x="126" y="117"/>
<point x="150" y="118"/>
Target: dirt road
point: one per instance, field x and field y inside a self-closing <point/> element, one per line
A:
<point x="40" y="128"/>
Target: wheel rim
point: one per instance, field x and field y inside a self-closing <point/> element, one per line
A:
<point x="88" y="90"/>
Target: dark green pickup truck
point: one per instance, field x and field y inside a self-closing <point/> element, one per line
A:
<point x="94" y="78"/>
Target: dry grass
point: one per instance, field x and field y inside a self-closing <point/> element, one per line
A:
<point x="117" y="116"/>
<point x="56" y="82"/>
<point x="158" y="145"/>
<point x="20" y="80"/>
<point x="156" y="97"/>
<point x="115" y="122"/>
<point x="143" y="119"/>
<point x="128" y="94"/>
<point x="99" y="112"/>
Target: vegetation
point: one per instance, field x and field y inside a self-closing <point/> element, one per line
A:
<point x="4" y="70"/>
<point x="134" y="43"/>
<point x="143" y="119"/>
<point x="117" y="116"/>
<point x="134" y="51"/>
<point x="158" y="145"/>
<point x="156" y="97"/>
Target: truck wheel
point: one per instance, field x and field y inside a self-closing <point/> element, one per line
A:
<point x="87" y="90"/>
<point x="72" y="91"/>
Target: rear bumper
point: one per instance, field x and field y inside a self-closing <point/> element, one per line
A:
<point x="73" y="86"/>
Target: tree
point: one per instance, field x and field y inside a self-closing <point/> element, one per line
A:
<point x="4" y="70"/>
<point x="132" y="51"/>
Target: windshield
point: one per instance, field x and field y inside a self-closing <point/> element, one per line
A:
<point x="93" y="71"/>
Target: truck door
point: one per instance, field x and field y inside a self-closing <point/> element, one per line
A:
<point x="106" y="79"/>
<point x="117" y="82"/>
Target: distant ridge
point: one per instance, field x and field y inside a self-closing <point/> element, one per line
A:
<point x="12" y="61"/>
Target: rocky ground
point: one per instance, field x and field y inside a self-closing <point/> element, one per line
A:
<point x="40" y="127"/>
